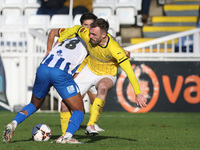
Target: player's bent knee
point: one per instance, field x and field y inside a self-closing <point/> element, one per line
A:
<point x="102" y="89"/>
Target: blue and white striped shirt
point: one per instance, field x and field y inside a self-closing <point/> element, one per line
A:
<point x="67" y="55"/>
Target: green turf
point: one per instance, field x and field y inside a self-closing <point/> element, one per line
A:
<point x="124" y="131"/>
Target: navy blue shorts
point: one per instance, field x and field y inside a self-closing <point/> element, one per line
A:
<point x="62" y="82"/>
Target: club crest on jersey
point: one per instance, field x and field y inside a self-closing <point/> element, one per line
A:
<point x="62" y="30"/>
<point x="59" y="52"/>
<point x="108" y="56"/>
<point x="82" y="29"/>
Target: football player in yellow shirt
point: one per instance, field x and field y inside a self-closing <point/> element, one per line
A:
<point x="85" y="20"/>
<point x="101" y="69"/>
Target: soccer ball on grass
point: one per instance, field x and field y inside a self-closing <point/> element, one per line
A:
<point x="41" y="132"/>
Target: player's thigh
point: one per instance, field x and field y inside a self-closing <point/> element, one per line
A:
<point x="106" y="82"/>
<point x="63" y="83"/>
<point x="67" y="90"/>
<point x="42" y="82"/>
<point x="85" y="79"/>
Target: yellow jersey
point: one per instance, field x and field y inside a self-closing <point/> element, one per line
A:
<point x="62" y="30"/>
<point x="103" y="60"/>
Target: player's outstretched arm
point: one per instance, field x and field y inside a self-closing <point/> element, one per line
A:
<point x="140" y="99"/>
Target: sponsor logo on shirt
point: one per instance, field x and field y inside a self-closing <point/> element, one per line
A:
<point x="59" y="52"/>
<point x="101" y="60"/>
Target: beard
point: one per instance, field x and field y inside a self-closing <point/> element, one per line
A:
<point x="95" y="42"/>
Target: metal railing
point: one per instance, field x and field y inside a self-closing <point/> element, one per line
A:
<point x="180" y="45"/>
<point x="23" y="50"/>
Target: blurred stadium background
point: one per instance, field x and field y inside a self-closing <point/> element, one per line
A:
<point x="165" y="53"/>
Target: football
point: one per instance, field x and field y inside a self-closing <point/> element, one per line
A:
<point x="41" y="132"/>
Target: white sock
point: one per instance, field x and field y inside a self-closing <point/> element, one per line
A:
<point x="68" y="135"/>
<point x="14" y="122"/>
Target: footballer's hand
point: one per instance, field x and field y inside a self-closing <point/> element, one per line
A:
<point x="141" y="100"/>
<point x="128" y="54"/>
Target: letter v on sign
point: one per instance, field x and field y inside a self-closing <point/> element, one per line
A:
<point x="172" y="95"/>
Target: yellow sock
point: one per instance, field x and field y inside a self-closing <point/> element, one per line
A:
<point x="90" y="112"/>
<point x="96" y="110"/>
<point x="64" y="119"/>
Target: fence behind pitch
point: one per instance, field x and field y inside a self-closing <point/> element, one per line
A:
<point x="22" y="51"/>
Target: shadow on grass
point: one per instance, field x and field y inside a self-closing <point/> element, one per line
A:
<point x="28" y="140"/>
<point x="92" y="139"/>
<point x="99" y="138"/>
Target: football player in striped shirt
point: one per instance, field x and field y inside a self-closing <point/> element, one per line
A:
<point x="56" y="70"/>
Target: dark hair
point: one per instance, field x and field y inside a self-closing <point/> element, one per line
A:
<point x="101" y="23"/>
<point x="87" y="16"/>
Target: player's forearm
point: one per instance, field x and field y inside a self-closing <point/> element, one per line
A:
<point x="52" y="34"/>
<point x="126" y="66"/>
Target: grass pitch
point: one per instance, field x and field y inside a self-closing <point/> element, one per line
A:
<point x="124" y="131"/>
